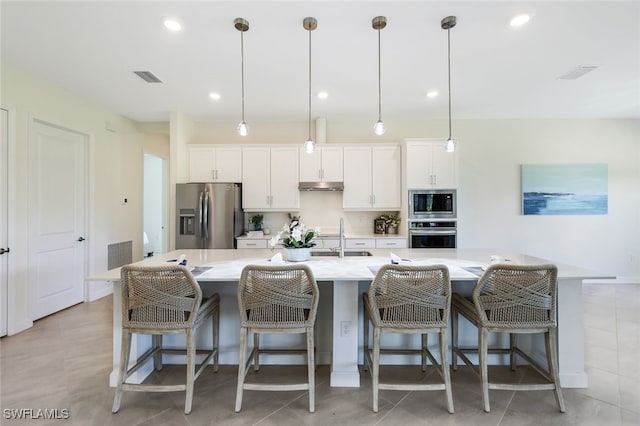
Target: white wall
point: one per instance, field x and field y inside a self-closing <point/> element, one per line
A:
<point x="490" y="154"/>
<point x="115" y="172"/>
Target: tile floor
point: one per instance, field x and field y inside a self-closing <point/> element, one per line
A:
<point x="63" y="362"/>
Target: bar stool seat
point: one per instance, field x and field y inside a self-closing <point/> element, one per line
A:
<point x="513" y="299"/>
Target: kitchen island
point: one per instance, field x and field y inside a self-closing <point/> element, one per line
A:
<point x="341" y="281"/>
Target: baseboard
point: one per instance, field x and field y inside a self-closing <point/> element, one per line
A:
<point x="18" y="327"/>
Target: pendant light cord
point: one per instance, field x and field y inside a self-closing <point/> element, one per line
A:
<point x="449" y="74"/>
<point x="309" y="84"/>
<point x="242" y="68"/>
<point x="379" y="79"/>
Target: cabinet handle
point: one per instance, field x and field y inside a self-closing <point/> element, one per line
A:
<point x="216" y="174"/>
<point x="251" y="244"/>
<point x="374" y="199"/>
<point x="359" y="244"/>
<point x="319" y="174"/>
<point x="322" y="173"/>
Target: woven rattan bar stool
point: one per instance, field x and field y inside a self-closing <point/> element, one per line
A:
<point x="512" y="299"/>
<point x="273" y="300"/>
<point x="160" y="300"/>
<point x="409" y="300"/>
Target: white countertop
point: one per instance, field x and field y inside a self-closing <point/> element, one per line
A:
<point x="346" y="236"/>
<point x="226" y="265"/>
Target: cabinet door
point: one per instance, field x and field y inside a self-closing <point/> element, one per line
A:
<point x="419" y="166"/>
<point x="201" y="163"/>
<point x="228" y="164"/>
<point x="332" y="164"/>
<point x="444" y="167"/>
<point x="256" y="183"/>
<point x="310" y="165"/>
<point x="284" y="178"/>
<point x="357" y="178"/>
<point x="386" y="177"/>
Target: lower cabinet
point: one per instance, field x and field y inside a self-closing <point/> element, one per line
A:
<point x="253" y="244"/>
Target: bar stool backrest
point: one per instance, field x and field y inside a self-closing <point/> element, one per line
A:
<point x="164" y="297"/>
<point x="411" y="296"/>
<point x="517" y="296"/>
<point x="278" y="296"/>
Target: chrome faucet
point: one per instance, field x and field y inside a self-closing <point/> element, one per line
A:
<point x="341" y="237"/>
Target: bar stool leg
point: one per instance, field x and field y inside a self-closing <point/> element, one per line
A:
<point x="550" y="342"/>
<point x="242" y="371"/>
<point x="483" y="335"/>
<point x="425" y="343"/>
<point x="311" y="369"/>
<point x="375" y="368"/>
<point x="444" y="364"/>
<point x="454" y="339"/>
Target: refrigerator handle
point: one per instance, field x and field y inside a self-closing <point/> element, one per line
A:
<point x="200" y="223"/>
<point x="205" y="218"/>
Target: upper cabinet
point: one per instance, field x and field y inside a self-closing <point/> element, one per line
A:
<point x="429" y="166"/>
<point x="208" y="163"/>
<point x="324" y="164"/>
<point x="270" y="178"/>
<point x="372" y="178"/>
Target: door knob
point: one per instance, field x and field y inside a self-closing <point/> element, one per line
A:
<point x="81" y="239"/>
<point x="3" y="251"/>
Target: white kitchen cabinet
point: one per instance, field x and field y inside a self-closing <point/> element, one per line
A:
<point x="270" y="178"/>
<point x="391" y="242"/>
<point x="360" y="243"/>
<point x="429" y="166"/>
<point x="252" y="244"/>
<point x="324" y="164"/>
<point x="372" y="178"/>
<point x="209" y="163"/>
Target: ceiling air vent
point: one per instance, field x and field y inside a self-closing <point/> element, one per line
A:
<point x="148" y="76"/>
<point x="577" y="73"/>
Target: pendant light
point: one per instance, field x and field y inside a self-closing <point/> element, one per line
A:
<point x="378" y="23"/>
<point x="242" y="25"/>
<point x="309" y="24"/>
<point x="446" y="24"/>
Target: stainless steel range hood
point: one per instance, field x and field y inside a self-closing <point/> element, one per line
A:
<point x="321" y="186"/>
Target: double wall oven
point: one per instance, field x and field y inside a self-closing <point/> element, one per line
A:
<point x="432" y="218"/>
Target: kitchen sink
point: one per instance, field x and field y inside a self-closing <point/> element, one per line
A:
<point x="336" y="254"/>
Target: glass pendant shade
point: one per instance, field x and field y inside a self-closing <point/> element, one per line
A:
<point x="243" y="129"/>
<point x="309" y="146"/>
<point x="379" y="128"/>
<point x="450" y="145"/>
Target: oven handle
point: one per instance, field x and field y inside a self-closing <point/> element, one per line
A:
<point x="433" y="232"/>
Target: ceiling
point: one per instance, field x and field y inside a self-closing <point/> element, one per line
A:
<point x="92" y="48"/>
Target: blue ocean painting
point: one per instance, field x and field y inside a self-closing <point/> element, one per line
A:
<point x="565" y="189"/>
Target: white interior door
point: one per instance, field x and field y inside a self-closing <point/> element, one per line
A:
<point x="56" y="218"/>
<point x="4" y="220"/>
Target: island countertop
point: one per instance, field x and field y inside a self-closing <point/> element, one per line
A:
<point x="227" y="264"/>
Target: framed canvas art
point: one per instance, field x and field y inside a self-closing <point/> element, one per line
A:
<point x="564" y="189"/>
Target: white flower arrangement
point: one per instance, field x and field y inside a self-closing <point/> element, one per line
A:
<point x="296" y="235"/>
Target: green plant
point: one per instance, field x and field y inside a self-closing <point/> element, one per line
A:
<point x="257" y="219"/>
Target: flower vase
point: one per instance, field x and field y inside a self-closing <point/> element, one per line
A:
<point x="298" y="254"/>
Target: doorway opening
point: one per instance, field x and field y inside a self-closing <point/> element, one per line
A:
<point x="155" y="205"/>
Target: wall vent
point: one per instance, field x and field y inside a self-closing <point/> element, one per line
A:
<point x="148" y="76"/>
<point x="577" y="73"/>
<point x="119" y="254"/>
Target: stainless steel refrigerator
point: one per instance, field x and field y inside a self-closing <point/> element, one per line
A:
<point x="209" y="215"/>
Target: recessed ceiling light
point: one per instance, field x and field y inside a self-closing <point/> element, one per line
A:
<point x="432" y="94"/>
<point x="215" y="96"/>
<point x="172" y="24"/>
<point x="323" y="95"/>
<point x="519" y="20"/>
